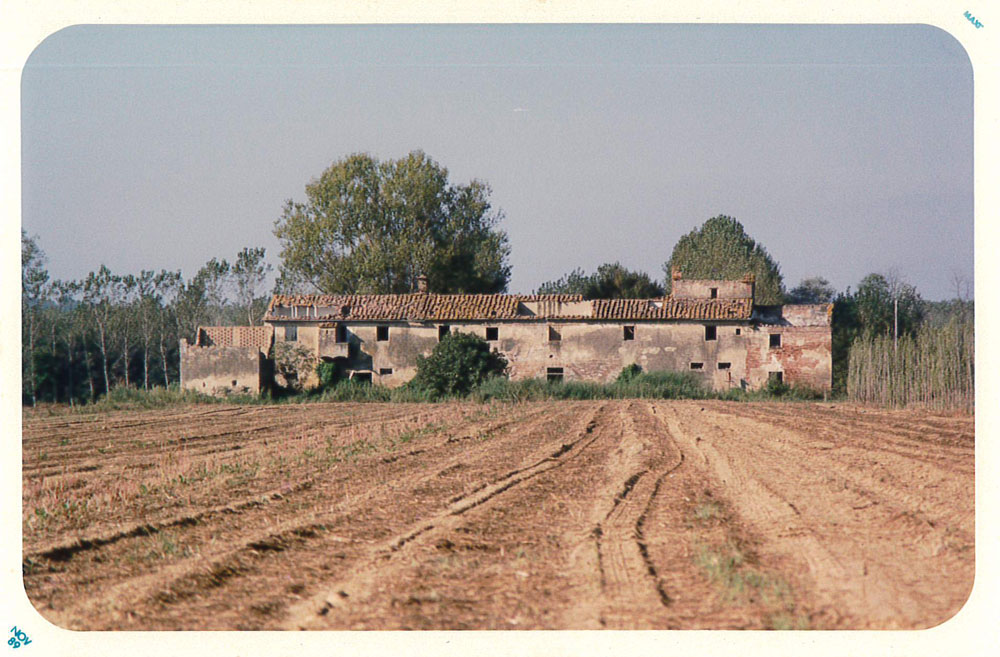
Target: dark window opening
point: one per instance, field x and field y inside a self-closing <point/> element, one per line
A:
<point x="709" y="332"/>
<point x="382" y="334"/>
<point x="341" y="335"/>
<point x="628" y="333"/>
<point x="697" y="366"/>
<point x="362" y="377"/>
<point x="775" y="376"/>
<point x="384" y="371"/>
<point x="775" y="340"/>
<point x="554" y="335"/>
<point x="713" y="293"/>
<point x="234" y="383"/>
<point x="443" y="330"/>
<point x="725" y="366"/>
<point x="554" y="374"/>
<point x="291" y="333"/>
<point x="345" y="310"/>
<point x="492" y="333"/>
<point x="737" y="331"/>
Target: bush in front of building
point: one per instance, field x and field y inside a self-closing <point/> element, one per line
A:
<point x="459" y="363"/>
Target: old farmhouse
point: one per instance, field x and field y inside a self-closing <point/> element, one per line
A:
<point x="711" y="327"/>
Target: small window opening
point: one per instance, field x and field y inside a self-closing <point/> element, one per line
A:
<point x="554" y="374"/>
<point x="384" y="371"/>
<point x="382" y="334"/>
<point x="713" y="293"/>
<point x="737" y="331"/>
<point x="775" y="376"/>
<point x="775" y="340"/>
<point x="492" y="333"/>
<point x="628" y="333"/>
<point x="291" y="333"/>
<point x="554" y="335"/>
<point x="697" y="366"/>
<point x="341" y="335"/>
<point x="362" y="377"/>
<point x="725" y="366"/>
<point x="345" y="310"/>
<point x="709" y="333"/>
<point x="443" y="330"/>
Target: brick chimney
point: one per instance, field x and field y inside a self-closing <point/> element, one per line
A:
<point x="422" y="284"/>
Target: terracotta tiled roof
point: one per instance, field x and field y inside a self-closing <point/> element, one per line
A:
<point x="453" y="307"/>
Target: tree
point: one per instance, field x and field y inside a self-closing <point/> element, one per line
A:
<point x="374" y="227"/>
<point x="99" y="299"/>
<point x="610" y="281"/>
<point x="34" y="294"/>
<point x="887" y="306"/>
<point x="815" y="289"/>
<point x="721" y="249"/>
<point x="458" y="363"/>
<point x="249" y="272"/>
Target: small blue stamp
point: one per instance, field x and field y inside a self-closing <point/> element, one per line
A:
<point x="19" y="639"/>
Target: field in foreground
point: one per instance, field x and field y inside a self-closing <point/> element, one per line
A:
<point x="554" y="515"/>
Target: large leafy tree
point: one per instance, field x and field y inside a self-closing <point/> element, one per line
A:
<point x="721" y="249"/>
<point x="815" y="289"/>
<point x="887" y="305"/>
<point x="35" y="291"/>
<point x="369" y="226"/>
<point x="610" y="281"/>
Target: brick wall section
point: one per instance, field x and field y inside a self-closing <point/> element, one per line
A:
<point x="805" y="354"/>
<point x="236" y="336"/>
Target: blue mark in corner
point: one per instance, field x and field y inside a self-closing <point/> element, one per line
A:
<point x="19" y="638"/>
<point x="973" y="20"/>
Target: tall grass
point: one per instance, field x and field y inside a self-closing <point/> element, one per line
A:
<point x="933" y="369"/>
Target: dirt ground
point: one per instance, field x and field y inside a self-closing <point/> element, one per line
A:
<point x="549" y="515"/>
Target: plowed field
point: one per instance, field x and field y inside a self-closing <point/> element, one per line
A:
<point x="556" y="515"/>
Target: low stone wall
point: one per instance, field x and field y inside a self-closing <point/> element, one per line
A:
<point x="223" y="370"/>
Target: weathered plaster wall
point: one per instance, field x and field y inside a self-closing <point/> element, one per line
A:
<point x="215" y="370"/>
<point x="701" y="289"/>
<point x="805" y="355"/>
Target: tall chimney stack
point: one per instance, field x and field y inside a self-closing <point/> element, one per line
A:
<point x="422" y="283"/>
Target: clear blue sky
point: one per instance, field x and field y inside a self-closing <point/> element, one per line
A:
<point x="842" y="149"/>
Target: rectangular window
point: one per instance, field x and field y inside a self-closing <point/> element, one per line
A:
<point x="697" y="366"/>
<point x="384" y="371"/>
<point x="713" y="293"/>
<point x="382" y="334"/>
<point x="443" y="330"/>
<point x="737" y="331"/>
<point x="628" y="333"/>
<point x="492" y="333"/>
<point x="709" y="333"/>
<point x="291" y="333"/>
<point x="775" y="376"/>
<point x="554" y="335"/>
<point x="775" y="340"/>
<point x="341" y="336"/>
<point x="554" y="374"/>
<point x="724" y="366"/>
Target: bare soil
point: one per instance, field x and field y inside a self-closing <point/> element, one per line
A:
<point x="550" y="515"/>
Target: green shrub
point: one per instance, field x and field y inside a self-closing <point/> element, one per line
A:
<point x="628" y="373"/>
<point x="326" y="372"/>
<point x="460" y="362"/>
<point x="776" y="388"/>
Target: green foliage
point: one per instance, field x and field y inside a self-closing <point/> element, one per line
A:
<point x="876" y="297"/>
<point x="776" y="388"/>
<point x="610" y="281"/>
<point x="649" y="385"/>
<point x="373" y="227"/>
<point x="628" y="373"/>
<point x="327" y="374"/>
<point x="291" y="362"/>
<point x="811" y="290"/>
<point x="721" y="249"/>
<point x="458" y="363"/>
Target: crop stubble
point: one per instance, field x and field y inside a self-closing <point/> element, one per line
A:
<point x="557" y="515"/>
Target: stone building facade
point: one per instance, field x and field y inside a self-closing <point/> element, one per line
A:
<point x="708" y="327"/>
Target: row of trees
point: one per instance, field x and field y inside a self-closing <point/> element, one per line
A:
<point x="81" y="338"/>
<point x="371" y="226"/>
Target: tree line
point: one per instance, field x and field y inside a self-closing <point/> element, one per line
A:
<point x="82" y="338"/>
<point x="373" y="227"/>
